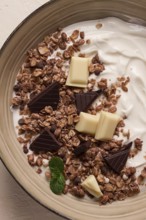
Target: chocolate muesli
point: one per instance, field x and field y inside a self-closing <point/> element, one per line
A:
<point x="73" y="99"/>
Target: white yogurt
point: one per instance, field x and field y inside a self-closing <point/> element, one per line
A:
<point x="122" y="48"/>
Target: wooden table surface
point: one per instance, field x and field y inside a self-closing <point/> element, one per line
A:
<point x="15" y="203"/>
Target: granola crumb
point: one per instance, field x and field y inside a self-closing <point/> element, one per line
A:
<point x="34" y="76"/>
<point x="99" y="25"/>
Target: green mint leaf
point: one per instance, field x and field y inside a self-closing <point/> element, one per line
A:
<point x="55" y="164"/>
<point x="57" y="184"/>
<point x="55" y="174"/>
<point x="61" y="179"/>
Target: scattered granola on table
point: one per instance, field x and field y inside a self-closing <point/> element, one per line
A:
<point x="69" y="125"/>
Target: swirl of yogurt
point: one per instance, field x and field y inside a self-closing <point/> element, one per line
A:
<point x="122" y="48"/>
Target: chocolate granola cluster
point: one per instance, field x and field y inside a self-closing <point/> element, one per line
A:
<point x="49" y="63"/>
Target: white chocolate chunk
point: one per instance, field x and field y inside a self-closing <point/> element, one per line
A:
<point x="91" y="185"/>
<point x="78" y="73"/>
<point x="106" y="125"/>
<point x="87" y="123"/>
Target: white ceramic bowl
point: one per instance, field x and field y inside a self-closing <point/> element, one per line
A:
<point x="43" y="21"/>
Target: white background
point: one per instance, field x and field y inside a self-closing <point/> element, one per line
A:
<point x="15" y="203"/>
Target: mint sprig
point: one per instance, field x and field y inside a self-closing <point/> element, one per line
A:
<point x="56" y="163"/>
<point x="57" y="182"/>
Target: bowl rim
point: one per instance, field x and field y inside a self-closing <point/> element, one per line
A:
<point x="55" y="212"/>
<point x="14" y="32"/>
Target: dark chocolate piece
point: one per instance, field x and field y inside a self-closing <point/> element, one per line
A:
<point x="82" y="148"/>
<point x="46" y="141"/>
<point x="84" y="100"/>
<point x="118" y="160"/>
<point x="49" y="96"/>
<point x="127" y="146"/>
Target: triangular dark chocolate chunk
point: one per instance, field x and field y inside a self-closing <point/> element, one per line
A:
<point x="118" y="160"/>
<point x="84" y="100"/>
<point x="82" y="148"/>
<point x="46" y="141"/>
<point x="127" y="146"/>
<point x="49" y="96"/>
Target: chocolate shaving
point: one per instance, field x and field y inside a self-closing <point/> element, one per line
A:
<point x="46" y="141"/>
<point x="82" y="148"/>
<point x="84" y="100"/>
<point x="118" y="160"/>
<point x="48" y="97"/>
